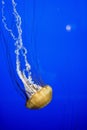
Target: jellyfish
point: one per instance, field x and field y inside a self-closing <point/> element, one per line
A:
<point x="37" y="95"/>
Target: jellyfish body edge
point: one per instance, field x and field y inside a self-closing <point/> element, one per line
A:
<point x="40" y="99"/>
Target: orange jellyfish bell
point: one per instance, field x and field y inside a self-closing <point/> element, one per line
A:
<point x="40" y="99"/>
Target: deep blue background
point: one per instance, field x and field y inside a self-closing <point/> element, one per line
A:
<point x="60" y="56"/>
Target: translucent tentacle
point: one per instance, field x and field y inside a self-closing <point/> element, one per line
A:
<point x="29" y="84"/>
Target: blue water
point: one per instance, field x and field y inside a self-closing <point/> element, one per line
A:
<point x="55" y="34"/>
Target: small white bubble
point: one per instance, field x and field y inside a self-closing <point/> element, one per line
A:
<point x="68" y="27"/>
<point x="3" y="2"/>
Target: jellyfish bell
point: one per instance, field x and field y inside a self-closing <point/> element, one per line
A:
<point x="40" y="99"/>
<point x="38" y="96"/>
